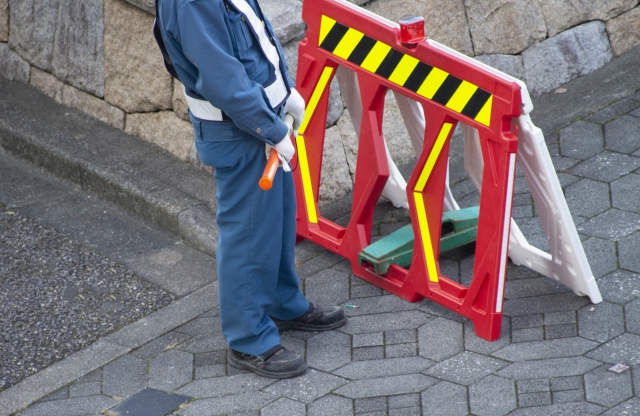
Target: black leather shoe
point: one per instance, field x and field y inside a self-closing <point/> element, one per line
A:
<point x="316" y="318"/>
<point x="277" y="362"/>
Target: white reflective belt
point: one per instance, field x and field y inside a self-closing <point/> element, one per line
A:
<point x="202" y="109"/>
<point x="277" y="91"/>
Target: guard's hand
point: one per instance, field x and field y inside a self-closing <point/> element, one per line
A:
<point x="295" y="107"/>
<point x="285" y="148"/>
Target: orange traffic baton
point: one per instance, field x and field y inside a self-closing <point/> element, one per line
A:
<point x="266" y="181"/>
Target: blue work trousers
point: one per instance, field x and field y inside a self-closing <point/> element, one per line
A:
<point x="256" y="272"/>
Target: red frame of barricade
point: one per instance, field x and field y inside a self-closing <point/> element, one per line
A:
<point x="482" y="300"/>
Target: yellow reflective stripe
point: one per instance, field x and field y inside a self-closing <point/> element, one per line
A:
<point x="484" y="116"/>
<point x="433" y="157"/>
<point x="326" y="24"/>
<point x="303" y="162"/>
<point x="433" y="82"/>
<point x="404" y="69"/>
<point x="348" y="43"/>
<point x="462" y="96"/>
<point x="425" y="235"/>
<point x="315" y="98"/>
<point x="375" y="57"/>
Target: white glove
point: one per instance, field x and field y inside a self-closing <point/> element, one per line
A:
<point x="295" y="107"/>
<point x="285" y="151"/>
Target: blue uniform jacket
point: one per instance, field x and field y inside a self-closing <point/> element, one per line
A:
<point x="218" y="58"/>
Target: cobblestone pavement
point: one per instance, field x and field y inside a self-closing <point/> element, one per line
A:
<point x="399" y="358"/>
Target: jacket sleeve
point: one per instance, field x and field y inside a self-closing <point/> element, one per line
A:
<point x="222" y="79"/>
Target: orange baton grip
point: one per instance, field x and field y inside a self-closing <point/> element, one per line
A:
<point x="269" y="171"/>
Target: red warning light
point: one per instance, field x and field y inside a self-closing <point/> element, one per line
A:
<point x="411" y="30"/>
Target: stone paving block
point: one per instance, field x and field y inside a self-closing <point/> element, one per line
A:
<point x="635" y="375"/>
<point x="211" y="358"/>
<point x="582" y="409"/>
<point x="581" y="140"/>
<point x="293" y="344"/>
<point x="306" y="250"/>
<point x="229" y="404"/>
<point x="621" y="134"/>
<point x="368" y="340"/>
<point x="601" y="322"/>
<point x="588" y="198"/>
<point x="544" y="304"/>
<point x="213" y="387"/>
<point x="307" y="387"/>
<point x="613" y="224"/>
<point x="554" y="367"/>
<point x="632" y="316"/>
<point x="404" y="401"/>
<point x="476" y="344"/>
<point x="150" y="402"/>
<point x="208" y="371"/>
<point x="434" y="309"/>
<point x="365" y="291"/>
<point x="527" y="334"/>
<point x="331" y="405"/>
<point x="401" y="350"/>
<point x="601" y="255"/>
<point x="204" y="343"/>
<point x="621" y="286"/>
<point x="559" y="318"/>
<point x="170" y="370"/>
<point x="533" y="287"/>
<point x="385" y="322"/>
<point x="629" y="408"/>
<point x="284" y="407"/>
<point x="368" y="353"/>
<point x="466" y="368"/>
<point x="124" y="377"/>
<point x="318" y="264"/>
<point x="160" y="344"/>
<point x="400" y="336"/>
<point x="560" y="331"/>
<point x="527" y="321"/>
<point x="95" y="375"/>
<point x="563" y="164"/>
<point x="384" y="368"/>
<point x="568" y="396"/>
<point x="566" y="383"/>
<point x="534" y="399"/>
<point x="533" y="386"/>
<point x="329" y="287"/>
<point x="613" y="110"/>
<point x="446" y="399"/>
<point x="372" y="404"/>
<point x="386" y="386"/>
<point x="492" y="396"/>
<point x="624" y="193"/>
<point x="84" y="389"/>
<point x="77" y="406"/>
<point x="379" y="304"/>
<point x="538" y="350"/>
<point x="440" y="339"/>
<point x="607" y="166"/>
<point x="606" y="387"/>
<point x="61" y="394"/>
<point x="328" y="351"/>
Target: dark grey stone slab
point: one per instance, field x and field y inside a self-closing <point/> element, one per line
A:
<point x="170" y="370"/>
<point x="466" y="368"/>
<point x="85" y="389"/>
<point x="409" y="349"/>
<point x="365" y="291"/>
<point x="284" y="407"/>
<point x="318" y="264"/>
<point x="622" y="350"/>
<point x="560" y="318"/>
<point x="200" y="325"/>
<point x="537" y="350"/>
<point x="601" y="255"/>
<point x="328" y="351"/>
<point x="331" y="405"/>
<point x="612" y="111"/>
<point x="624" y="193"/>
<point x="150" y="402"/>
<point x="178" y="268"/>
<point x="560" y="331"/>
<point x="368" y="353"/>
<point x="214" y="387"/>
<point x="385" y="322"/>
<point x="386" y="386"/>
<point x="124" y="377"/>
<point x="205" y="343"/>
<point x="568" y="396"/>
<point x="440" y="339"/>
<point x="544" y="304"/>
<point x="629" y="408"/>
<point x="307" y="387"/>
<point x="554" y="367"/>
<point x="160" y="344"/>
<point x="534" y="399"/>
<point x="566" y="383"/>
<point x="492" y="396"/>
<point x="588" y="198"/>
<point x="632" y="316"/>
<point x="329" y="287"/>
<point x="628" y="252"/>
<point x="621" y="134"/>
<point x="400" y="336"/>
<point x="601" y="322"/>
<point x="527" y="334"/>
<point x="581" y="140"/>
<point x="620" y="286"/>
<point x="607" y="388"/>
<point x="533" y="287"/>
<point x="476" y="344"/>
<point x="368" y="340"/>
<point x="384" y="368"/>
<point x="77" y="406"/>
<point x="613" y="224"/>
<point x="533" y="386"/>
<point x="372" y="404"/>
<point x="607" y="166"/>
<point x="446" y="399"/>
<point x="582" y="409"/>
<point x="230" y="404"/>
<point x="404" y="401"/>
<point x="527" y="321"/>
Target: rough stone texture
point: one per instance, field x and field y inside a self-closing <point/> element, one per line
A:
<point x="164" y="129"/>
<point x="383" y="368"/>
<point x="335" y="181"/>
<point x="505" y="26"/>
<point x="440" y="339"/>
<point x="285" y="17"/>
<point x="134" y="75"/>
<point x="621" y="134"/>
<point x="395" y="132"/>
<point x="170" y="370"/>
<point x="178" y="102"/>
<point x="624" y="31"/>
<point x="492" y="396"/>
<point x="386" y="386"/>
<point x="12" y="66"/>
<point x="4" y="20"/>
<point x="509" y="64"/>
<point x="606" y="387"/>
<point x="624" y="193"/>
<point x="624" y="349"/>
<point x="349" y="141"/>
<point x="573" y="53"/>
<point x="555" y="367"/>
<point x="588" y="198"/>
<point x="445" y="22"/>
<point x="63" y="37"/>
<point x="446" y="399"/>
<point x="632" y="315"/>
<point x="466" y="368"/>
<point x="581" y="140"/>
<point x="328" y="351"/>
<point x="563" y="14"/>
<point x="601" y="322"/>
<point x="331" y="405"/>
<point x="47" y="83"/>
<point x="93" y="106"/>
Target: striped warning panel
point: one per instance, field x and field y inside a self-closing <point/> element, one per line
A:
<point x="406" y="71"/>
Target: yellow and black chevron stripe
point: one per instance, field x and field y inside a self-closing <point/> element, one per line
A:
<point x="406" y="71"/>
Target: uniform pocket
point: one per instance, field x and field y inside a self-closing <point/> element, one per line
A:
<point x="241" y="32"/>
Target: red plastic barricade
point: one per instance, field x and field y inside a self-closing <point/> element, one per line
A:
<point x="450" y="90"/>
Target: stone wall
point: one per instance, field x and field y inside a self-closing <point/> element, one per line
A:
<point x="99" y="56"/>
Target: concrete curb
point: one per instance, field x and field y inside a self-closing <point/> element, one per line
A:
<point x="108" y="349"/>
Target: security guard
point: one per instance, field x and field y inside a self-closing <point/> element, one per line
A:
<point x="238" y="89"/>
